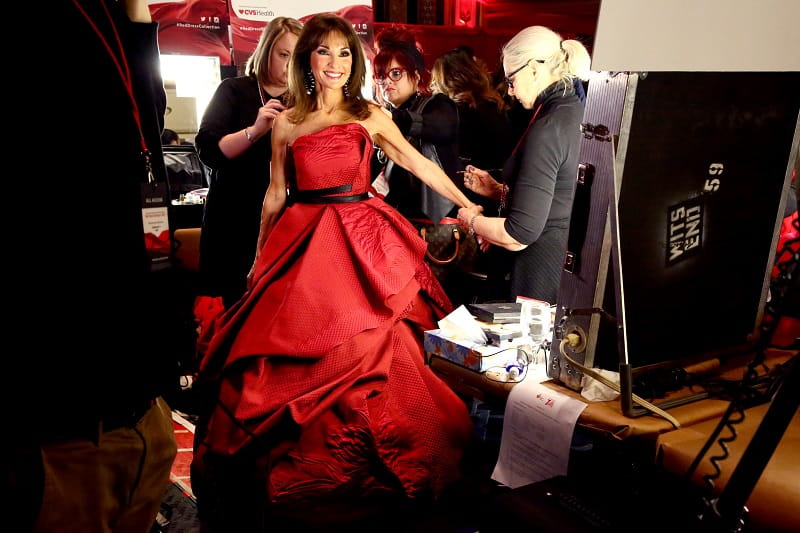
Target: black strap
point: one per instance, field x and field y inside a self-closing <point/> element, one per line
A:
<point x="321" y="196"/>
<point x="332" y="199"/>
<point x="327" y="190"/>
<point x="415" y="112"/>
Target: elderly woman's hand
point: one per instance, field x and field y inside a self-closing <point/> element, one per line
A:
<point x="466" y="219"/>
<point x="466" y="214"/>
<point x="479" y="181"/>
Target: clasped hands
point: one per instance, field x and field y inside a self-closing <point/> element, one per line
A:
<point x="465" y="217"/>
<point x="481" y="182"/>
<point x="478" y="181"/>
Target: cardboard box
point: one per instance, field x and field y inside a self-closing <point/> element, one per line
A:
<point x="474" y="356"/>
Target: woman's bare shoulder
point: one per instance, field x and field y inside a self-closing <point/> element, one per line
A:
<point x="378" y="120"/>
<point x="282" y="125"/>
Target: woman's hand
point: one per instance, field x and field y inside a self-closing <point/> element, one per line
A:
<point x="137" y="10"/>
<point x="483" y="244"/>
<point x="238" y="142"/>
<point x="465" y="217"/>
<point x="266" y="117"/>
<point x="479" y="181"/>
<point x="250" y="274"/>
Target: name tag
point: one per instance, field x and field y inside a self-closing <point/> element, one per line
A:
<point x="155" y="223"/>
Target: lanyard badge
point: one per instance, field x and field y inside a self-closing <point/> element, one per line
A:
<point x="155" y="222"/>
<point x="154" y="195"/>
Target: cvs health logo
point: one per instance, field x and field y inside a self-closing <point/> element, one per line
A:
<point x="253" y="10"/>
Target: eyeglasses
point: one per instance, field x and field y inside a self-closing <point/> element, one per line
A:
<point x="508" y="78"/>
<point x="396" y="74"/>
<point x="527" y="63"/>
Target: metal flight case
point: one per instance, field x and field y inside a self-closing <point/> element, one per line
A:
<point x="681" y="191"/>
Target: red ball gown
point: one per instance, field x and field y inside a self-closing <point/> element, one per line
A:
<point x="320" y="365"/>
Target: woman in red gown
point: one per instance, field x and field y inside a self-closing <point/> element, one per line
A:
<point x="324" y="399"/>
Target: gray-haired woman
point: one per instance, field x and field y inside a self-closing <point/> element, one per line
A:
<point x="538" y="181"/>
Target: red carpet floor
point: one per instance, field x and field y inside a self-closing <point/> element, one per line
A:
<point x="184" y="435"/>
<point x="178" y="512"/>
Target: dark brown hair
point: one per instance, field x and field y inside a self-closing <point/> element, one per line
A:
<point x="315" y="30"/>
<point x="461" y="77"/>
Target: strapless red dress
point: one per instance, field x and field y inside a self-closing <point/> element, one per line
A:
<point x="321" y="363"/>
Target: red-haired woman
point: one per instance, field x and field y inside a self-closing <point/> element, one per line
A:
<point x="430" y="123"/>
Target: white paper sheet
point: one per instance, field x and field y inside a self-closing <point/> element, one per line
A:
<point x="537" y="432"/>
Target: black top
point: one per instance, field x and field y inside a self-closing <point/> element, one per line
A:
<point x="485" y="140"/>
<point x="232" y="215"/>
<point x="436" y="125"/>
<point x="92" y="324"/>
<point x="541" y="174"/>
<point x="484" y="135"/>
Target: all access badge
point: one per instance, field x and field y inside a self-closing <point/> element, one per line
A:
<point x="155" y="222"/>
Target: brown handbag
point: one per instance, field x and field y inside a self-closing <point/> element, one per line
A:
<point x="450" y="248"/>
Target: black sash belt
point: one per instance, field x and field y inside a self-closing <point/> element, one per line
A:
<point x="303" y="199"/>
<point x="319" y="196"/>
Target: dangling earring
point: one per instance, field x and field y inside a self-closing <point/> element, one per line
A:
<point x="346" y="89"/>
<point x="310" y="83"/>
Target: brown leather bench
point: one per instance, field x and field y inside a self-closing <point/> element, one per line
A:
<point x="607" y="418"/>
<point x="775" y="501"/>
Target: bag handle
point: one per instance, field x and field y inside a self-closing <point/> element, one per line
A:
<point x="429" y="255"/>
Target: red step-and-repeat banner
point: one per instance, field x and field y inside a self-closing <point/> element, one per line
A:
<point x="193" y="27"/>
<point x="229" y="29"/>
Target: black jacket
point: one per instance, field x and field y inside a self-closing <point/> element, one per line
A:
<point x="436" y="124"/>
<point x="95" y="326"/>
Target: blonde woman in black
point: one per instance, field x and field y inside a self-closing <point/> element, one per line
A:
<point x="233" y="141"/>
